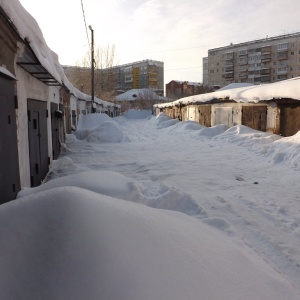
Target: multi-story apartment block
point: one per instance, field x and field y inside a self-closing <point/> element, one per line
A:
<point x="143" y="74"/>
<point x="260" y="61"/>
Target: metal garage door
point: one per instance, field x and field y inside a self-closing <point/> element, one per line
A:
<point x="223" y="115"/>
<point x="255" y="117"/>
<point x="38" y="141"/>
<point x="55" y="130"/>
<point x="9" y="161"/>
<point x="205" y="115"/>
<point x="289" y="119"/>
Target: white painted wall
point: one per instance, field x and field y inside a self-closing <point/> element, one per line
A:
<point x="272" y="115"/>
<point x="73" y="103"/>
<point x="82" y="105"/>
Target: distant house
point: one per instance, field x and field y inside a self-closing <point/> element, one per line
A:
<point x="139" y="99"/>
<point x="176" y="89"/>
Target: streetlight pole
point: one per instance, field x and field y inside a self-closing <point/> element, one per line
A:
<point x="92" y="69"/>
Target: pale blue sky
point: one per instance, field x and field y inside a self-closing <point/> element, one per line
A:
<point x="176" y="32"/>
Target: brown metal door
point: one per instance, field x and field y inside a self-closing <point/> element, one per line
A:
<point x="205" y="115"/>
<point x="255" y="117"/>
<point x="9" y="161"/>
<point x="289" y="119"/>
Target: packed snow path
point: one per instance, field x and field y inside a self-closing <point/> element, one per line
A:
<point x="222" y="181"/>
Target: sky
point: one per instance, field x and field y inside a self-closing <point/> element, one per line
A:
<point x="179" y="33"/>
<point x="133" y="210"/>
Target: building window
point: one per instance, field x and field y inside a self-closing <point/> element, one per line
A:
<point x="282" y="46"/>
<point x="282" y="69"/>
<point x="292" y="52"/>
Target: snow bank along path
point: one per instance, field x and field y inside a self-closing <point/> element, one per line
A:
<point x="237" y="186"/>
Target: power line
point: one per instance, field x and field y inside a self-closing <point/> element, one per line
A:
<point x="178" y="49"/>
<point x="87" y="35"/>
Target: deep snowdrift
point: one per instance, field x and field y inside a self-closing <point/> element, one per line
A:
<point x="236" y="235"/>
<point x="70" y="243"/>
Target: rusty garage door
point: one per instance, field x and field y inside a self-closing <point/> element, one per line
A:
<point x="289" y="119"/>
<point x="38" y="141"/>
<point x="9" y="161"/>
<point x="205" y="115"/>
<point x="255" y="117"/>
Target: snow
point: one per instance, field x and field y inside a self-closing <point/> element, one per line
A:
<point x="235" y="86"/>
<point x="137" y="94"/>
<point x="137" y="114"/>
<point x="172" y="212"/>
<point x="99" y="128"/>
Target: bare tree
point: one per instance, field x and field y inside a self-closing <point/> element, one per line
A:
<point x="146" y="99"/>
<point x="105" y="76"/>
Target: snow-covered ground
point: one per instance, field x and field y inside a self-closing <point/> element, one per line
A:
<point x="154" y="208"/>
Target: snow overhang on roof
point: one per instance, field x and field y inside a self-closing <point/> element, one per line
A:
<point x="30" y="63"/>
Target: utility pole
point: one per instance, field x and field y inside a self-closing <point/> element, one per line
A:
<point x="92" y="70"/>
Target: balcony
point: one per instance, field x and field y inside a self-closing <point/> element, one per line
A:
<point x="266" y="49"/>
<point x="229" y="63"/>
<point x="265" y="72"/>
<point x="282" y="55"/>
<point x="229" y="75"/>
<point x="266" y="57"/>
<point x="229" y="56"/>
<point x="281" y="77"/>
<point x="243" y="52"/>
<point x="229" y="69"/>
<point x="265" y="78"/>
<point x="243" y="75"/>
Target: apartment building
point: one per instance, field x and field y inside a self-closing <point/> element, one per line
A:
<point x="137" y="75"/>
<point x="257" y="62"/>
<point x="142" y="74"/>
